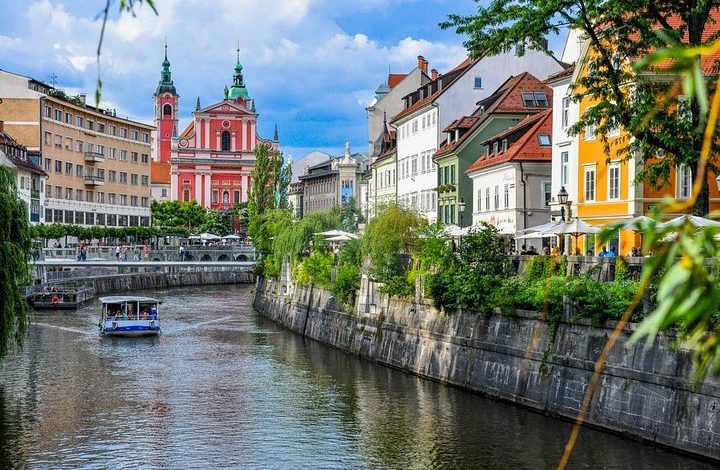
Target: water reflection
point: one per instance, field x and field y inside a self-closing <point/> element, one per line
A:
<point x="223" y="387"/>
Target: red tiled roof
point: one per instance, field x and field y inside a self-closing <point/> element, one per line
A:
<point x="160" y="172"/>
<point x="458" y="71"/>
<point x="509" y="102"/>
<point x="394" y="79"/>
<point x="709" y="62"/>
<point x="561" y="74"/>
<point x="526" y="148"/>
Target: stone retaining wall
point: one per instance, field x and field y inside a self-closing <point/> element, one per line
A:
<point x="644" y="393"/>
<point x="157" y="280"/>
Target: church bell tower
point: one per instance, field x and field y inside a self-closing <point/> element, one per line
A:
<point x="166" y="101"/>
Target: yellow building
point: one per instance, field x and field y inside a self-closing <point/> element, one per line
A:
<point x="606" y="188"/>
<point x="98" y="163"/>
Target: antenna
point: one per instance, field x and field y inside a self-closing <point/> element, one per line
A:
<point x="53" y="79"/>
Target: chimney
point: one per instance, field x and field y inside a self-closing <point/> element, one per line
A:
<point x="434" y="74"/>
<point x="422" y="63"/>
<point x="83" y="98"/>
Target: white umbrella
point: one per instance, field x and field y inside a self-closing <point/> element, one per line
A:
<point x="339" y="238"/>
<point x="543" y="227"/>
<point x="231" y="237"/>
<point x="694" y="220"/>
<point x="209" y="236"/>
<point x="636" y="224"/>
<point x="337" y="233"/>
<point x="452" y="230"/>
<point x="535" y="235"/>
<point x="575" y="228"/>
<point x="194" y="237"/>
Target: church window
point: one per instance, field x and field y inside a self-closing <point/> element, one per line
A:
<point x="167" y="110"/>
<point x="226" y="140"/>
<point x="226" y="197"/>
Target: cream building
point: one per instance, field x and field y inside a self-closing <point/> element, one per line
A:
<point x="98" y="163"/>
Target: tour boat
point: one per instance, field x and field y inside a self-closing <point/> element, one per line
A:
<point x="61" y="298"/>
<point x="129" y="316"/>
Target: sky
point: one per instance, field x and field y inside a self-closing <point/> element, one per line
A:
<point x="312" y="66"/>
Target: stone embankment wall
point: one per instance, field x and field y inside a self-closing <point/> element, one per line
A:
<point x="157" y="280"/>
<point x="644" y="393"/>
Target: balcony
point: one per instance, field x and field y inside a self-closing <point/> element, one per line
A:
<point x="92" y="157"/>
<point x="94" y="180"/>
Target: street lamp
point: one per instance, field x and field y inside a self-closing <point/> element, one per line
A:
<point x="565" y="213"/>
<point x="461" y="207"/>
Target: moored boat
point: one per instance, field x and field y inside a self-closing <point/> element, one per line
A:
<point x="129" y="316"/>
<point x="61" y="298"/>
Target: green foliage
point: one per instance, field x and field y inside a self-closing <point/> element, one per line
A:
<point x="315" y="269"/>
<point x="347" y="283"/>
<point x="434" y="250"/>
<point x="15" y="247"/>
<point x="620" y="32"/>
<point x="269" y="181"/>
<point x="190" y="215"/>
<point x="387" y="238"/>
<point x="264" y="227"/>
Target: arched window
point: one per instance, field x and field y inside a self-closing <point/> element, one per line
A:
<point x="226" y="140"/>
<point x="226" y="197"/>
<point x="167" y="110"/>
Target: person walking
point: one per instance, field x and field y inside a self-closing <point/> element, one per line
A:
<point x="182" y="252"/>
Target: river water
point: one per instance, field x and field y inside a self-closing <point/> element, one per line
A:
<point x="225" y="388"/>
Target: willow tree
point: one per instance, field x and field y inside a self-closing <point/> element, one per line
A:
<point x="15" y="246"/>
<point x="619" y="33"/>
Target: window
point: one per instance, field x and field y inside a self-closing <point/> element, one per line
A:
<point x="167" y="110"/>
<point x="614" y="181"/>
<point x="68" y="168"/>
<point x="452" y="174"/>
<point x="111" y="198"/>
<point x="146" y="137"/>
<point x="112" y="176"/>
<point x="134" y="179"/>
<point x="123" y="199"/>
<point x="506" y="196"/>
<point x="504" y="145"/>
<point x="544" y="140"/>
<point x="123" y="177"/>
<point x="48" y="164"/>
<point x="590" y="183"/>
<point x="614" y="130"/>
<point x="487" y="198"/>
<point x="90" y="196"/>
<point x="236" y="197"/>
<point x="101" y="198"/>
<point x="79" y="170"/>
<point x="478" y="202"/>
<point x="487" y="151"/>
<point x="79" y="121"/>
<point x="565" y="112"/>
<point x="589" y="130"/>
<point x="163" y="192"/>
<point x="535" y="100"/>
<point x="79" y="146"/>
<point x="58" y="115"/>
<point x="684" y="182"/>
<point x="414" y="168"/>
<point x="564" y="168"/>
<point x="134" y="157"/>
<point x="68" y="193"/>
<point x="100" y="127"/>
<point x="423" y="123"/>
<point x="112" y="129"/>
<point x="215" y="196"/>
<point x="123" y="155"/>
<point x="478" y="82"/>
<point x="123" y="132"/>
<point x="68" y="118"/>
<point x="100" y="149"/>
<point x="58" y="166"/>
<point x="145" y="180"/>
<point x="48" y="191"/>
<point x="58" y="192"/>
<point x="495" y="148"/>
<point x="47" y="111"/>
<point x="79" y="195"/>
<point x="144" y="201"/>
<point x="660" y="153"/>
<point x="496" y="201"/>
<point x="547" y="192"/>
<point x="48" y="138"/>
<point x="58" y="141"/>
<point x="144" y="158"/>
<point x="134" y="135"/>
<point x="225" y="141"/>
<point x="91" y="125"/>
<point x="100" y="173"/>
<point x="111" y="153"/>
<point x="134" y="201"/>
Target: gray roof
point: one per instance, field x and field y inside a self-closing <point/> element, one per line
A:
<point x="117" y="299"/>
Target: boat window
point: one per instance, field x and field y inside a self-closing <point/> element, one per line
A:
<point x="148" y="310"/>
<point x="113" y="309"/>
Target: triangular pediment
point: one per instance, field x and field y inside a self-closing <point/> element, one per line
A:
<point x="225" y="107"/>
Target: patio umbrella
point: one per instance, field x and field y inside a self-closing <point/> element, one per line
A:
<point x="637" y="224"/>
<point x="694" y="220"/>
<point x="337" y="233"/>
<point x="576" y="227"/>
<point x="209" y="236"/>
<point x="231" y="237"/>
<point x="543" y="227"/>
<point x="535" y="235"/>
<point x="452" y="230"/>
<point x="339" y="238"/>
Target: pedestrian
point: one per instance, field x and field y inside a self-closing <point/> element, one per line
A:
<point x="117" y="252"/>
<point x="182" y="252"/>
<point x="603" y="253"/>
<point x="523" y="250"/>
<point x="546" y="250"/>
<point x="146" y="251"/>
<point x="611" y="253"/>
<point x="531" y="251"/>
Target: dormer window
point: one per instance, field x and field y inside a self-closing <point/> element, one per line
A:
<point x="495" y="148"/>
<point x="487" y="151"/>
<point x="504" y="145"/>
<point x="457" y="134"/>
<point x="544" y="140"/>
<point x="535" y="100"/>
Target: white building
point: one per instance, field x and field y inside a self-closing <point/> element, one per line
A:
<point x="436" y="104"/>
<point x="30" y="178"/>
<point x="511" y="182"/>
<point x="565" y="115"/>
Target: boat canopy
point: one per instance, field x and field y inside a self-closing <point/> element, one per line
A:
<point x="118" y="299"/>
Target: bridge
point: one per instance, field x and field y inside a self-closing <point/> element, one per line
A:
<point x="218" y="253"/>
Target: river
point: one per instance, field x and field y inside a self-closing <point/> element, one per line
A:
<point x="223" y="387"/>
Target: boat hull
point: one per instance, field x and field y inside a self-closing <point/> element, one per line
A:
<point x="130" y="328"/>
<point x="132" y="333"/>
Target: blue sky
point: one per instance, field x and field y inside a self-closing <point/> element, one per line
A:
<point x="311" y="65"/>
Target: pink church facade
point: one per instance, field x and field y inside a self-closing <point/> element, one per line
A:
<point x="211" y="160"/>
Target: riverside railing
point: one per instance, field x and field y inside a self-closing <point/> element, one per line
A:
<point x="598" y="267"/>
<point x="164" y="253"/>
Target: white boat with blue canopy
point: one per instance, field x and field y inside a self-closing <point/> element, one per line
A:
<point x="129" y="316"/>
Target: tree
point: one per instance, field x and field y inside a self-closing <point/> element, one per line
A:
<point x="269" y="180"/>
<point x="15" y="248"/>
<point x="620" y="32"/>
<point x="190" y="214"/>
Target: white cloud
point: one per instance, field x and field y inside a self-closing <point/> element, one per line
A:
<point x="305" y="71"/>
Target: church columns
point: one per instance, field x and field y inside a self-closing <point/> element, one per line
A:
<point x="208" y="193"/>
<point x="218" y="140"/>
<point x="232" y="141"/>
<point x="174" y="189"/>
<point x="241" y="134"/>
<point x="198" y="188"/>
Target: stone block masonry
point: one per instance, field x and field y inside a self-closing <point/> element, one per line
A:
<point x="145" y="281"/>
<point x="644" y="393"/>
